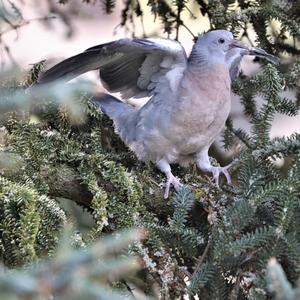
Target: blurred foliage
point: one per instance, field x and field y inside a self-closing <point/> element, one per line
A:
<point x="30" y="223"/>
<point x="83" y="273"/>
<point x="59" y="152"/>
<point x="278" y="283"/>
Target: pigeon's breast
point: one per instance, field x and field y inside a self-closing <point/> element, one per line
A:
<point x="203" y="109"/>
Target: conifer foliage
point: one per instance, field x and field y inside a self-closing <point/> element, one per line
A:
<point x="59" y="153"/>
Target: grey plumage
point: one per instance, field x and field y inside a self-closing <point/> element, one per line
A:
<point x="189" y="97"/>
<point x="123" y="115"/>
<point x="129" y="66"/>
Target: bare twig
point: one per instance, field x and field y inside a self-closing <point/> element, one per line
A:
<point x="194" y="36"/>
<point x="142" y="19"/>
<point x="190" y="12"/>
<point x="203" y="256"/>
<point x="62" y="15"/>
<point x="26" y="22"/>
<point x="178" y="20"/>
<point x="5" y="49"/>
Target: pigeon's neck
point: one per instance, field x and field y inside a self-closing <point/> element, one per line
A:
<point x="202" y="60"/>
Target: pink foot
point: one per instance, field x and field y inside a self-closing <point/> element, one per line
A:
<point x="171" y="180"/>
<point x="217" y="171"/>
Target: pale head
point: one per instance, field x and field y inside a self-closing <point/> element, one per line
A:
<point x="218" y="47"/>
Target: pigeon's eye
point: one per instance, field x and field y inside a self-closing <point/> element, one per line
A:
<point x="221" y="41"/>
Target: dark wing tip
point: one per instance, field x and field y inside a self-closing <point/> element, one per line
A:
<point x="99" y="47"/>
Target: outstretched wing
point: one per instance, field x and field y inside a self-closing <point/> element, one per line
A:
<point x="133" y="67"/>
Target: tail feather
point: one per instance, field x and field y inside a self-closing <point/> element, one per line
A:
<point x="114" y="108"/>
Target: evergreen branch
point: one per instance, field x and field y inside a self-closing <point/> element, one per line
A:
<point x="176" y="232"/>
<point x="75" y="272"/>
<point x="161" y="9"/>
<point x="200" y="262"/>
<point x="201" y="277"/>
<point x="58" y="157"/>
<point x="287" y="107"/>
<point x="34" y="73"/>
<point x="15" y="27"/>
<point x="183" y="202"/>
<point x="285" y="211"/>
<point x="283" y="14"/>
<point x="253" y="175"/>
<point x="274" y="189"/>
<point x="278" y="147"/>
<point x="292" y="77"/>
<point x="27" y="230"/>
<point x="270" y="87"/>
<point x="186" y="240"/>
<point x="231" y="133"/>
<point x="245" y="88"/>
<point x="250" y="241"/>
<point x="284" y="47"/>
<point x="180" y="4"/>
<point x="238" y="215"/>
<point x="294" y="170"/>
<point x="219" y="288"/>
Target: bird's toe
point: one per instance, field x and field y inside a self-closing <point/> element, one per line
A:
<point x="216" y="174"/>
<point x="177" y="184"/>
<point x="171" y="181"/>
<point x="167" y="190"/>
<point x="216" y="171"/>
<point x="227" y="175"/>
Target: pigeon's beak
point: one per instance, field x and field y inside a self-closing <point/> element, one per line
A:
<point x="248" y="50"/>
<point x="238" y="44"/>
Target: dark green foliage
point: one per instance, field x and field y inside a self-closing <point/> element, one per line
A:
<point x="201" y="277"/>
<point x="232" y="136"/>
<point x="176" y="233"/>
<point x="34" y="73"/>
<point x="30" y="223"/>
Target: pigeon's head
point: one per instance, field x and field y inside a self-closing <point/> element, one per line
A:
<point x="218" y="43"/>
<point x="219" y="46"/>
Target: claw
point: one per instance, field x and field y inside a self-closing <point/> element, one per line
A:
<point x="216" y="171"/>
<point x="171" y="180"/>
<point x="226" y="173"/>
<point x="204" y="164"/>
<point x="164" y="166"/>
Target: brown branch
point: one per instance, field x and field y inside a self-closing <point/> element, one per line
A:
<point x="203" y="256"/>
<point x="65" y="182"/>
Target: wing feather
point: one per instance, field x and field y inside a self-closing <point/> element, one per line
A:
<point x="132" y="67"/>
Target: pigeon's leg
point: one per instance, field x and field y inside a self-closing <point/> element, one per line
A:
<point x="164" y="166"/>
<point x="204" y="164"/>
